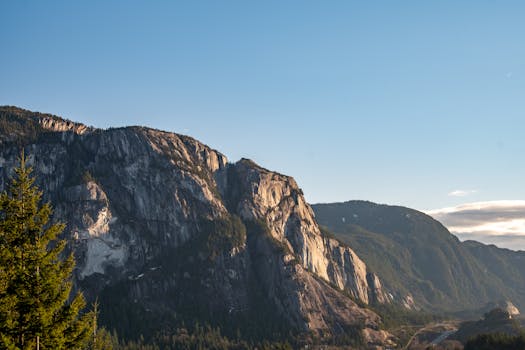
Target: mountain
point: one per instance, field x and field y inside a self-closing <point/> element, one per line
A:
<point x="421" y="262"/>
<point x="167" y="232"/>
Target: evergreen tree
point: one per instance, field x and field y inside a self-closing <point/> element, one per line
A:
<point x="100" y="339"/>
<point x="37" y="310"/>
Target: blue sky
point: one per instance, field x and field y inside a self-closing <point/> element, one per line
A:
<point x="418" y="103"/>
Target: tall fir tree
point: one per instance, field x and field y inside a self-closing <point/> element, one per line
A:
<point x="37" y="308"/>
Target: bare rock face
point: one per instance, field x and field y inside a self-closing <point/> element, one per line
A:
<point x="511" y="309"/>
<point x="52" y="123"/>
<point x="378" y="293"/>
<point x="505" y="305"/>
<point x="259" y="194"/>
<point x="161" y="224"/>
<point x="408" y="302"/>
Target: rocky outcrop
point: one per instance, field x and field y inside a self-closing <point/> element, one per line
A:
<point x="164" y="223"/>
<point x="53" y="123"/>
<point x="258" y="194"/>
<point x="379" y="294"/>
<point x="511" y="309"/>
<point x="504" y="305"/>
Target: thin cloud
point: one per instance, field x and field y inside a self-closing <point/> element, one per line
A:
<point x="495" y="222"/>
<point x="461" y="193"/>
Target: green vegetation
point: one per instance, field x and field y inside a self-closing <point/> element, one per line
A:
<point x="496" y="341"/>
<point x="259" y="228"/>
<point x="401" y="322"/>
<point x="394" y="316"/>
<point x="223" y="234"/>
<point x="15" y="129"/>
<point x="329" y="234"/>
<point x="35" y="282"/>
<point x="200" y="337"/>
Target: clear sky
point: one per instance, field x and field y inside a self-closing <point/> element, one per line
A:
<point x="418" y="103"/>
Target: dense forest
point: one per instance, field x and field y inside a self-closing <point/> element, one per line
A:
<point x="496" y="341"/>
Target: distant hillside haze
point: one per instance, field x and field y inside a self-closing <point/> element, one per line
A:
<point x="413" y="253"/>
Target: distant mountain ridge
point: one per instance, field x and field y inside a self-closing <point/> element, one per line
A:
<point x="414" y="254"/>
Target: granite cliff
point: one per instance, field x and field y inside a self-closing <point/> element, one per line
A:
<point x="165" y="230"/>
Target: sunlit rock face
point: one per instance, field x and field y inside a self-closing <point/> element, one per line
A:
<point x="278" y="201"/>
<point x="168" y="224"/>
